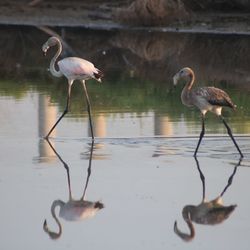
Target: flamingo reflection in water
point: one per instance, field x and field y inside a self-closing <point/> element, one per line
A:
<point x="207" y="212"/>
<point x="72" y="210"/>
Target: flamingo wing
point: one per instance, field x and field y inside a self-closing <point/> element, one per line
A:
<point x="77" y="68"/>
<point x="215" y="96"/>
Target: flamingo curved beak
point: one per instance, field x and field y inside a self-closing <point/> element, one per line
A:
<point x="176" y="79"/>
<point x="45" y="47"/>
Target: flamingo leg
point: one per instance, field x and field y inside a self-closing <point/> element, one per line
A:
<point x="230" y="180"/>
<point x="231" y="135"/>
<point x="89" y="109"/>
<point x="64" y="112"/>
<point x="89" y="170"/>
<point x="202" y="177"/>
<point x="201" y="134"/>
<point x="65" y="166"/>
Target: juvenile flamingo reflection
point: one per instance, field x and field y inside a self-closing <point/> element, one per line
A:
<point x="207" y="212"/>
<point x="72" y="210"/>
<point x="205" y="99"/>
<point x="73" y="68"/>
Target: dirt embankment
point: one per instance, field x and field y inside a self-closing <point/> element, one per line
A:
<point x="160" y="12"/>
<point x="222" y="16"/>
<point x="68" y="13"/>
<point x="152" y="12"/>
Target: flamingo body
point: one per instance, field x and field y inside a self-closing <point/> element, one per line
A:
<point x="75" y="68"/>
<point x="75" y="210"/>
<point x="207" y="99"/>
<point x="210" y="212"/>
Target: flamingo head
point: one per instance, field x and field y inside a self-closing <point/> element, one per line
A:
<point x="183" y="74"/>
<point x="52" y="41"/>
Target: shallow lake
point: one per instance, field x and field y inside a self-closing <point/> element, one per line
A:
<point x="139" y="184"/>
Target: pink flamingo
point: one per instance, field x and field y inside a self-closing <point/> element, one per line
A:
<point x="205" y="99"/>
<point x="73" y="68"/>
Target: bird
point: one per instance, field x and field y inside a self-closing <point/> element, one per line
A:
<point x="207" y="212"/>
<point x="72" y="210"/>
<point x="73" y="68"/>
<point x="205" y="99"/>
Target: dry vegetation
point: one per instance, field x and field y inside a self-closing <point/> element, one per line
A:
<point x="101" y="12"/>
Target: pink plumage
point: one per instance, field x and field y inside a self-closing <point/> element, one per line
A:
<point x="78" y="68"/>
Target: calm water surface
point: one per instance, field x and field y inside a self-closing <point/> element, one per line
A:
<point x="142" y="167"/>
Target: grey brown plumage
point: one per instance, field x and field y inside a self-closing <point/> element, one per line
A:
<point x="215" y="96"/>
<point x="212" y="215"/>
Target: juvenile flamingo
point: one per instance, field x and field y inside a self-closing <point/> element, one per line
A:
<point x="73" y="68"/>
<point x="205" y="99"/>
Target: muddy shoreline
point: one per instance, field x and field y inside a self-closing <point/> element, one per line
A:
<point x="100" y="16"/>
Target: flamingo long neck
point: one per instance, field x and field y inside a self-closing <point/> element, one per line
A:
<point x="185" y="94"/>
<point x="190" y="83"/>
<point x="53" y="70"/>
<point x="54" y="235"/>
<point x="186" y="214"/>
